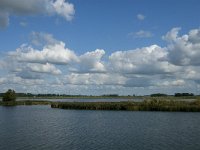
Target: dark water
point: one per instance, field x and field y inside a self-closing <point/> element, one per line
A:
<point x="40" y="127"/>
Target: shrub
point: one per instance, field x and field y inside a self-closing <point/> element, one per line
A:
<point x="158" y="95"/>
<point x="9" y="96"/>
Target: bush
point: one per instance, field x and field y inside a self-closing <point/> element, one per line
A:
<point x="9" y="96"/>
<point x="183" y="94"/>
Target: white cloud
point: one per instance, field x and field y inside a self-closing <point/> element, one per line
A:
<point x="194" y="36"/>
<point x="178" y="82"/>
<point x="189" y="73"/>
<point x="146" y="60"/>
<point x="142" y="34"/>
<point x="152" y="68"/>
<point x="2" y="64"/>
<point x="91" y="61"/>
<point x="140" y="17"/>
<point x="95" y="79"/>
<point x="64" y="9"/>
<point x="34" y="7"/>
<point x="55" y="54"/>
<point x="172" y="34"/>
<point x="12" y="79"/>
<point x="44" y="68"/>
<point x="183" y="50"/>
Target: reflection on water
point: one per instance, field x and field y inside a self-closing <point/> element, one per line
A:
<point x="40" y="127"/>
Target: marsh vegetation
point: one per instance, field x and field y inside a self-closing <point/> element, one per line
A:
<point x="150" y="104"/>
<point x="154" y="102"/>
<point x="24" y="102"/>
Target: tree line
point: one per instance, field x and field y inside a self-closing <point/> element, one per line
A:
<point x="176" y="94"/>
<point x="10" y="95"/>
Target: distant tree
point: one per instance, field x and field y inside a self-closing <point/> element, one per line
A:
<point x="183" y="94"/>
<point x="158" y="95"/>
<point x="9" y="96"/>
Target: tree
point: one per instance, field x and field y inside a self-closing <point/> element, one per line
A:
<point x="158" y="95"/>
<point x="9" y="96"/>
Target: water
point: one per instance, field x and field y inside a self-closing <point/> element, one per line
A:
<point x="41" y="127"/>
<point x="87" y="99"/>
<point x="94" y="99"/>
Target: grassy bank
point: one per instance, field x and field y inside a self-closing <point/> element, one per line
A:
<point x="149" y="104"/>
<point x="154" y="104"/>
<point x="24" y="102"/>
<point x="77" y="97"/>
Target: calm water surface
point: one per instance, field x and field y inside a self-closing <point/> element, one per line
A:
<point x="40" y="127"/>
<point x="87" y="99"/>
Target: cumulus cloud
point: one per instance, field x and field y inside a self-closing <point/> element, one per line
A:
<point x="178" y="82"/>
<point x="175" y="66"/>
<point x="34" y="7"/>
<point x="171" y="35"/>
<point x="95" y="79"/>
<point x="194" y="36"/>
<point x="44" y="68"/>
<point x="140" y="17"/>
<point x="2" y="64"/>
<point x="191" y="73"/>
<point x="64" y="9"/>
<point x="55" y="54"/>
<point x="91" y="61"/>
<point x="146" y="60"/>
<point x="183" y="50"/>
<point x="12" y="79"/>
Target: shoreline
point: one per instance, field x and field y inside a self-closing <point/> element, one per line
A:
<point x="25" y="102"/>
<point x="153" y="104"/>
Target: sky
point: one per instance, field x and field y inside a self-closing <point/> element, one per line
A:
<point x="96" y="47"/>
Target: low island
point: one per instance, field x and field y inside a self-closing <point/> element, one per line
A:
<point x="153" y="104"/>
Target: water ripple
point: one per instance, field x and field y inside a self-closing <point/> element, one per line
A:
<point x="40" y="127"/>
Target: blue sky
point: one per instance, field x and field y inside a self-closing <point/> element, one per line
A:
<point x="99" y="36"/>
<point x="106" y="24"/>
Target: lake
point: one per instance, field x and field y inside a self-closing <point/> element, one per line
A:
<point x="41" y="127"/>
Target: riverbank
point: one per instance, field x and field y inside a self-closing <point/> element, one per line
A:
<point x="154" y="104"/>
<point x="150" y="104"/>
<point x="25" y="102"/>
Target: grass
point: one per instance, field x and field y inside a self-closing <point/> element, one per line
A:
<point x="151" y="104"/>
<point x="24" y="102"/>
